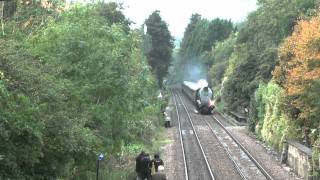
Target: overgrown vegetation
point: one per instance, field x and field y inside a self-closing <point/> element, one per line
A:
<point x="73" y="83"/>
<point x="269" y="120"/>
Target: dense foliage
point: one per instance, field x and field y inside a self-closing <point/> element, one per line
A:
<point x="299" y="73"/>
<point x="217" y="58"/>
<point x="72" y="86"/>
<point x="160" y="47"/>
<point x="201" y="34"/>
<point x="269" y="120"/>
<point x="257" y="46"/>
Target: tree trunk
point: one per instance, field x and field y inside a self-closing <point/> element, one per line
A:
<point x="9" y="8"/>
<point x="1" y="17"/>
<point x="1" y="9"/>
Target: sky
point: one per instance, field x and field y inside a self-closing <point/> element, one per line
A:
<point x="177" y="13"/>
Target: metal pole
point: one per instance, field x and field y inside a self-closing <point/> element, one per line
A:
<point x="97" y="170"/>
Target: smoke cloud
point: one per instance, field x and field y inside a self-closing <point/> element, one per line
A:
<point x="194" y="72"/>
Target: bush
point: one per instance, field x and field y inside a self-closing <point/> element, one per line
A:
<point x="267" y="117"/>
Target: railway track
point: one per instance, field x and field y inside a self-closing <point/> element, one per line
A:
<point x="256" y="163"/>
<point x="242" y="162"/>
<point x="222" y="165"/>
<point x="195" y="160"/>
<point x="186" y="176"/>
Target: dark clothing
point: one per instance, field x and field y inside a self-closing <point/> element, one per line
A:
<point x="159" y="176"/>
<point x="146" y="171"/>
<point x="157" y="162"/>
<point x="139" y="164"/>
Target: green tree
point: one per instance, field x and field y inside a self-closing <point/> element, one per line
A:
<point x="160" y="52"/>
<point x="20" y="134"/>
<point x="218" y="60"/>
<point x="195" y="18"/>
<point x="200" y="36"/>
<point x="74" y="87"/>
<point x="113" y="15"/>
<point x="257" y="47"/>
<point x="218" y="30"/>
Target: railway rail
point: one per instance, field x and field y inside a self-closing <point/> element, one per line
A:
<point x="237" y="154"/>
<point x="181" y="140"/>
<point x="258" y="165"/>
<point x="227" y="151"/>
<point x="191" y="167"/>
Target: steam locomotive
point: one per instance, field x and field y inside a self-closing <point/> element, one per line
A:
<point x="200" y="94"/>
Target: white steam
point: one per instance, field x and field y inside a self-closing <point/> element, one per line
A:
<point x="195" y="72"/>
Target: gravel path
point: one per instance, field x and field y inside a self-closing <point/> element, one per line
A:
<point x="172" y="155"/>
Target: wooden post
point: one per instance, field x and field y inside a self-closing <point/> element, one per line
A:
<point x="284" y="154"/>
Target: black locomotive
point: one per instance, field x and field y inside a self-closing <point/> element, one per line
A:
<point x="200" y="94"/>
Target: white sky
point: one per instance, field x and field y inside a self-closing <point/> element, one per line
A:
<point x="177" y="13"/>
